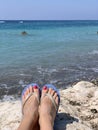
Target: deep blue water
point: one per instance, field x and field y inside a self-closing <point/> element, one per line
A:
<point x="58" y="52"/>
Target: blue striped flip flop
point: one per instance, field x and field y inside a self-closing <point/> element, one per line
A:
<point x="29" y="95"/>
<point x="58" y="94"/>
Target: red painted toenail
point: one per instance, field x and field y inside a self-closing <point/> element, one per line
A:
<point x="35" y="87"/>
<point x="45" y="87"/>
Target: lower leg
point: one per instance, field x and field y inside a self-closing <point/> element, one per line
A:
<point x="47" y="111"/>
<point x="26" y="124"/>
<point x="46" y="123"/>
<point x="30" y="110"/>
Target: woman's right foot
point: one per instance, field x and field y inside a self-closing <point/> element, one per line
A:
<point x="47" y="110"/>
<point x="30" y="108"/>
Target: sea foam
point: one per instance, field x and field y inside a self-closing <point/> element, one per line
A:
<point x="94" y="52"/>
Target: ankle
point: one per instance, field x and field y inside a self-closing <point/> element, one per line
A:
<point x="46" y="122"/>
<point x="25" y="124"/>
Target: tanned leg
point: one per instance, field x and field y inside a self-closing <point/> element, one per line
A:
<point x="30" y="110"/>
<point x="47" y="111"/>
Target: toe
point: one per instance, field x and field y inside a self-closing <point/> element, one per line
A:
<point x="44" y="90"/>
<point x="27" y="91"/>
<point x="52" y="92"/>
<point x="25" y="94"/>
<point x="31" y="89"/>
<point x="55" y="95"/>
<point x="36" y="89"/>
<point x="57" y="100"/>
<point x="23" y="97"/>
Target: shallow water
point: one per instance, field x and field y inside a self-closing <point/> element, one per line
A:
<point x="58" y="52"/>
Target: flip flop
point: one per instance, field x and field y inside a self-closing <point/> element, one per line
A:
<point x="30" y="94"/>
<point x="58" y="94"/>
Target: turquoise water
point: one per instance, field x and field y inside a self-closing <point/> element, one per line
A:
<point x="52" y="51"/>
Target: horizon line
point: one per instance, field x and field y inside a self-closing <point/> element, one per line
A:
<point x="48" y="20"/>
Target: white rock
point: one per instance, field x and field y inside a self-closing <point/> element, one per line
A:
<point x="77" y="111"/>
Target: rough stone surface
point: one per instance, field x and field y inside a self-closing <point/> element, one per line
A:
<point x="78" y="109"/>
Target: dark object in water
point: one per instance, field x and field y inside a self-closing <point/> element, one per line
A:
<point x="24" y="33"/>
<point x="97" y="32"/>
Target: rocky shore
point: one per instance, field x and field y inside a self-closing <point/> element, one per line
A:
<point x="78" y="109"/>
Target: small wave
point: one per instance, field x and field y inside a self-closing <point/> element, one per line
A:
<point x="46" y="70"/>
<point x="8" y="98"/>
<point x="95" y="70"/>
<point x="3" y="85"/>
<point x="53" y="81"/>
<point x="94" y="52"/>
<point x="2" y="21"/>
<point x="25" y="75"/>
<point x="21" y="22"/>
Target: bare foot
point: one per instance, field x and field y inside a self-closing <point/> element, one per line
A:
<point x="47" y="111"/>
<point x="30" y="109"/>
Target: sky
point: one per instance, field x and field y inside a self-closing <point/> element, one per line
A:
<point x="48" y="9"/>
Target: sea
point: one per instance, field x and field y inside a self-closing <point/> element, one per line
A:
<point x="57" y="52"/>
